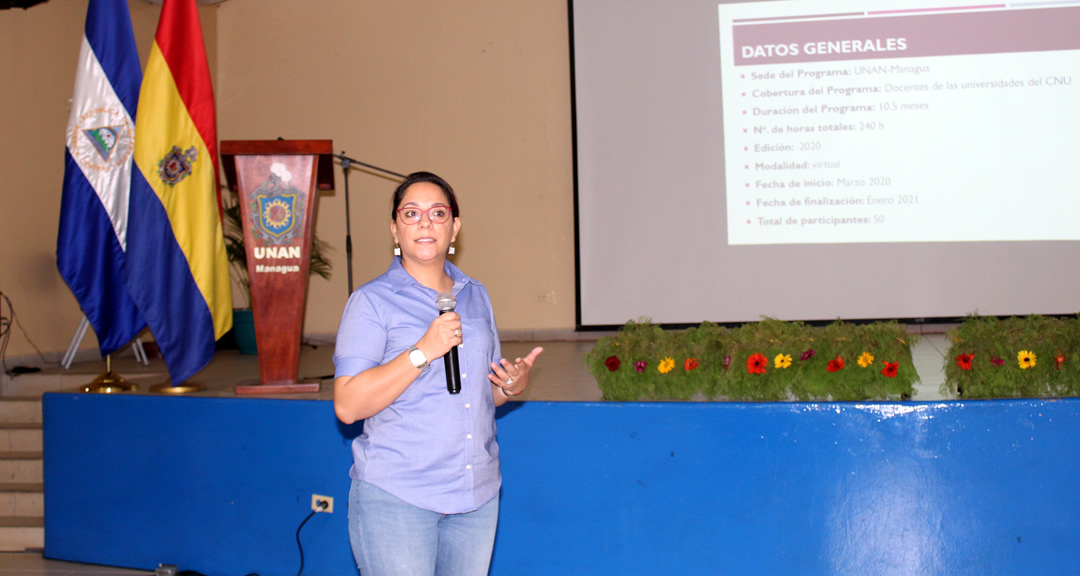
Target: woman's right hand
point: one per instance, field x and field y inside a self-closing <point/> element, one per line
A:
<point x="443" y="334"/>
<point x="371" y="391"/>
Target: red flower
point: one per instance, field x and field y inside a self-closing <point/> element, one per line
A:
<point x="756" y="363"/>
<point x="690" y="364"/>
<point x="891" y="369"/>
<point x="640" y="366"/>
<point x="1060" y="359"/>
<point x="964" y="361"/>
<point x="727" y="362"/>
<point x="612" y="363"/>
<point x="997" y="361"/>
<point x="808" y="354"/>
<point x="836" y="364"/>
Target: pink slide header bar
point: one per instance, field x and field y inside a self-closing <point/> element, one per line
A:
<point x="941" y="9"/>
<point x="909" y="36"/>
<point x="775" y="18"/>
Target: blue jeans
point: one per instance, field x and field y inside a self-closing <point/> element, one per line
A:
<point x="393" y="538"/>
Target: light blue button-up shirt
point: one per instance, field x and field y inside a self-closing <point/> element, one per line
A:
<point x="434" y="450"/>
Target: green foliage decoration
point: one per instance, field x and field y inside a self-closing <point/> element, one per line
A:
<point x="994" y="369"/>
<point x="711" y="362"/>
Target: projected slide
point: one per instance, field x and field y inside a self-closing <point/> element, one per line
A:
<point x="926" y="123"/>
<point x="823" y="159"/>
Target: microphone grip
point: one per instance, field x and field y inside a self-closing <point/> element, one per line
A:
<point x="450" y="360"/>
<point x="453" y="375"/>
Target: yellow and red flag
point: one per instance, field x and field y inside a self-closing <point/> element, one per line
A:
<point x="178" y="273"/>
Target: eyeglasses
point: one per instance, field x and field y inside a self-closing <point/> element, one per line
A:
<point x="438" y="214"/>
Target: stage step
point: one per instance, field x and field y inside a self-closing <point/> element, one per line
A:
<point x="23" y="500"/>
<point x="25" y="410"/>
<point x="18" y="534"/>
<point x="21" y="467"/>
<point x="18" y="437"/>
<point x="22" y="494"/>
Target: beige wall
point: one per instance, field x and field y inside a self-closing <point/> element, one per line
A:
<point x="475" y="91"/>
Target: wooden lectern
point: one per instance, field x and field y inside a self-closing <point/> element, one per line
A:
<point x="278" y="183"/>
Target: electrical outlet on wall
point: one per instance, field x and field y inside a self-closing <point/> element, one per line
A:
<point x="317" y="502"/>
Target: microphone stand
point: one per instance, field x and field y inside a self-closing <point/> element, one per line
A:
<point x="346" y="165"/>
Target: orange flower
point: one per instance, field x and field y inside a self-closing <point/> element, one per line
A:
<point x="964" y="361"/>
<point x="1060" y="359"/>
<point x="756" y="363"/>
<point x="836" y="364"/>
<point x="690" y="364"/>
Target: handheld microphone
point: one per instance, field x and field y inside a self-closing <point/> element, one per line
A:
<point x="446" y="302"/>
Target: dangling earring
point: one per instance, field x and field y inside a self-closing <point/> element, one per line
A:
<point x="397" y="250"/>
<point x="451" y="248"/>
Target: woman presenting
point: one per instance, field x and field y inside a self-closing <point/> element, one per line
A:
<point x="425" y="474"/>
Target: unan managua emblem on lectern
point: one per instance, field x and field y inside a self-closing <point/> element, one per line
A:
<point x="277" y="208"/>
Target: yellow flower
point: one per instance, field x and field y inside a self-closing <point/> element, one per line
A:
<point x="782" y="361"/>
<point x="666" y="365"/>
<point x="1026" y="359"/>
<point x="866" y="359"/>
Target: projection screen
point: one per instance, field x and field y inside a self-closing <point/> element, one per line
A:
<point x="814" y="160"/>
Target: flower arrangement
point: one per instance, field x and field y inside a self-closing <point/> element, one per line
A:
<point x="770" y="360"/>
<point x="1036" y="356"/>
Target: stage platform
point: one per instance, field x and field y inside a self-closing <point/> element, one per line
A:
<point x="560" y="374"/>
<point x="219" y="483"/>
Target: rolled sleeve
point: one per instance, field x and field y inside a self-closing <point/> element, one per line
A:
<point x="361" y="337"/>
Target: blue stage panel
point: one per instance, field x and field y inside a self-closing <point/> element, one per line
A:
<point x="890" y="488"/>
<point x="219" y="485"/>
<point x="216" y="485"/>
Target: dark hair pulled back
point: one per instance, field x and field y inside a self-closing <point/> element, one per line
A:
<point x="417" y="177"/>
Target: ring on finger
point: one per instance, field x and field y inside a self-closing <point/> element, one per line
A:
<point x="457" y="333"/>
<point x="509" y="380"/>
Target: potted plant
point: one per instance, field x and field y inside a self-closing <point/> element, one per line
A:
<point x="243" y="318"/>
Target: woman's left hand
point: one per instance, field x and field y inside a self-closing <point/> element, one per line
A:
<point x="513" y="378"/>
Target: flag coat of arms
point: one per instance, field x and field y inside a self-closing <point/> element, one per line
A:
<point x="91" y="248"/>
<point x="178" y="272"/>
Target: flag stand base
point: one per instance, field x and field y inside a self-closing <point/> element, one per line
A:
<point x="185" y="388"/>
<point x="109" y="383"/>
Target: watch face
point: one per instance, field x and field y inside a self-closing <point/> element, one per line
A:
<point x="417" y="358"/>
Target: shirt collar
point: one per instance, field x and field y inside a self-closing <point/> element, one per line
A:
<point x="400" y="278"/>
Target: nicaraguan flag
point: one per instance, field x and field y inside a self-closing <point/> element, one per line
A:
<point x="178" y="273"/>
<point x="91" y="245"/>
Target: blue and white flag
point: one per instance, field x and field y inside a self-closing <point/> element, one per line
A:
<point x="91" y="247"/>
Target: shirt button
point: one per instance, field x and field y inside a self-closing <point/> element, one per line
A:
<point x="464" y="375"/>
<point x="468" y="466"/>
<point x="468" y="437"/>
<point x="468" y="405"/>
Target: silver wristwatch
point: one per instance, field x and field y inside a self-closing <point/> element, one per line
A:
<point x="417" y="358"/>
